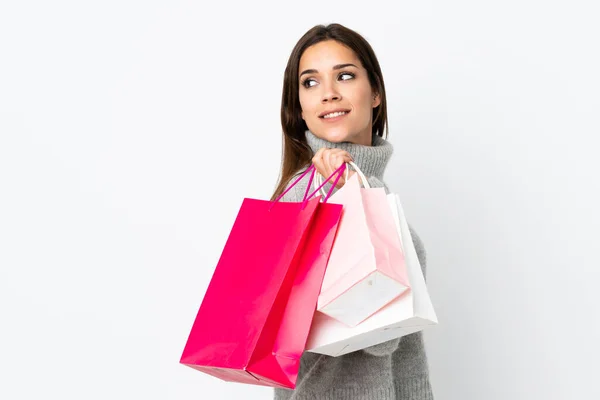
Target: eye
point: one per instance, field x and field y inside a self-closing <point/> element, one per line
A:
<point x="349" y="75"/>
<point x="306" y="82"/>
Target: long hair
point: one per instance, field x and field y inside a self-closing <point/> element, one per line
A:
<point x="296" y="152"/>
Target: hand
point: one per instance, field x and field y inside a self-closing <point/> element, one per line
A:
<point x="326" y="161"/>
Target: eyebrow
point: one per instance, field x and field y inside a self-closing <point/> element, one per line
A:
<point x="338" y="66"/>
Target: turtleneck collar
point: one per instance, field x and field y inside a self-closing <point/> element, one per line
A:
<point x="372" y="160"/>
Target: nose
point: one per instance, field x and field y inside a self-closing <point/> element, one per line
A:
<point x="330" y="93"/>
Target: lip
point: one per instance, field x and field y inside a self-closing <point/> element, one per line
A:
<point x="334" y="110"/>
<point x="334" y="119"/>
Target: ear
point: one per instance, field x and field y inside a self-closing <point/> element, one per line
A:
<point x="376" y="99"/>
<point x="302" y="115"/>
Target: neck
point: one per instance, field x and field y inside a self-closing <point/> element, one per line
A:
<point x="372" y="159"/>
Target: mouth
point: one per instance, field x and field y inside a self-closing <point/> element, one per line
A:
<point x="334" y="116"/>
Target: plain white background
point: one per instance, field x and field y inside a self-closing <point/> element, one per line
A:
<point x="131" y="131"/>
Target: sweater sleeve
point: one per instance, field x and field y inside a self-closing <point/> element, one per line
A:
<point x="387" y="348"/>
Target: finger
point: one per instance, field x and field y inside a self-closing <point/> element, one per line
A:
<point x="341" y="173"/>
<point x="341" y="157"/>
<point x="318" y="155"/>
<point x="319" y="163"/>
<point x="332" y="162"/>
<point x="347" y="156"/>
<point x="337" y="159"/>
<point x="326" y="160"/>
<point x="344" y="156"/>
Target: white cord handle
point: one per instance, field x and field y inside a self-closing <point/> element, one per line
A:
<point x="318" y="179"/>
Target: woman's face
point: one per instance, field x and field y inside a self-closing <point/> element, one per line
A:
<point x="332" y="78"/>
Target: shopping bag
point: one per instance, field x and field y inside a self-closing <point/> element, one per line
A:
<point x="409" y="313"/>
<point x="367" y="268"/>
<point x="255" y="316"/>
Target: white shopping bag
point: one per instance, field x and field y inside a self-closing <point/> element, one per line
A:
<point x="409" y="313"/>
<point x="367" y="268"/>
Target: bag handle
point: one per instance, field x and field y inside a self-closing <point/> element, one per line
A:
<point x="318" y="178"/>
<point x="337" y="172"/>
<point x="307" y="197"/>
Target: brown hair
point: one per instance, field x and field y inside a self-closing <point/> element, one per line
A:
<point x="296" y="152"/>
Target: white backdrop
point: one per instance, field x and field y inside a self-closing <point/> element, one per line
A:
<point x="131" y="131"/>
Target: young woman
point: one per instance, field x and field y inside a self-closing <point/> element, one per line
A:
<point x="333" y="111"/>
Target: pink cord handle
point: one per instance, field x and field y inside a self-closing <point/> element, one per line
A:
<point x="309" y="169"/>
<point x="307" y="197"/>
<point x="304" y="201"/>
<point x="339" y="172"/>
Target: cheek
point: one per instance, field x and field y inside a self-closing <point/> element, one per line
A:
<point x="303" y="103"/>
<point x="361" y="98"/>
<point x="307" y="104"/>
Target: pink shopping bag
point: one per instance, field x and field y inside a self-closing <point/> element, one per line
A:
<point x="255" y="317"/>
<point x="412" y="312"/>
<point x="367" y="268"/>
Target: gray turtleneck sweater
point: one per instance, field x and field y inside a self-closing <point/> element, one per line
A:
<point x="397" y="369"/>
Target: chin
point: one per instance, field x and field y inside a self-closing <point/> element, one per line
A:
<point x="335" y="135"/>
